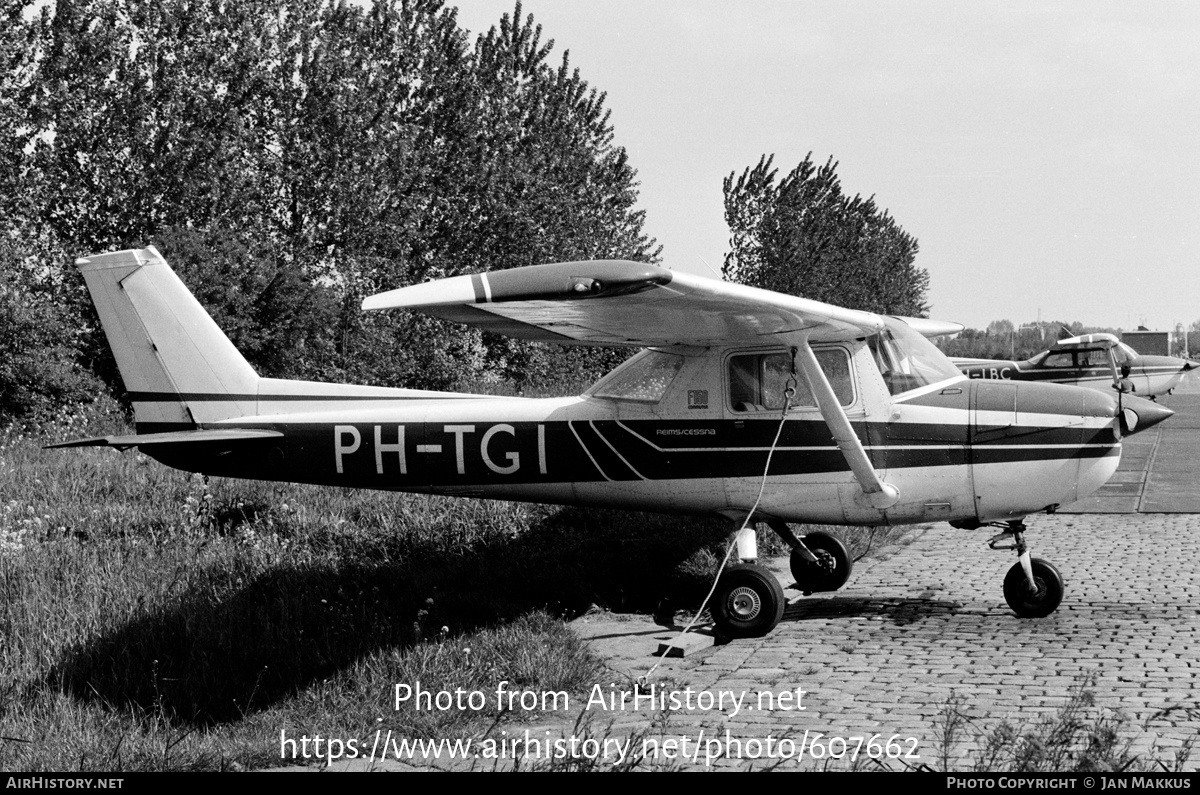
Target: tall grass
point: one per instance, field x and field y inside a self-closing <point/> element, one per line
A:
<point x="1081" y="736"/>
<point x="153" y="619"/>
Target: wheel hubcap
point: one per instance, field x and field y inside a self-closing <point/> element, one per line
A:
<point x="744" y="603"/>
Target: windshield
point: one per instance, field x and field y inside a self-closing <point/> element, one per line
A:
<point x="907" y="360"/>
<point x="1124" y="354"/>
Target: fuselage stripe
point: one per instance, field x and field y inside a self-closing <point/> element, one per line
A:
<point x="588" y="452"/>
<point x="615" y="451"/>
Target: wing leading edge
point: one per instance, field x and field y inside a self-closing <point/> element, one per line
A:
<point x="621" y="303"/>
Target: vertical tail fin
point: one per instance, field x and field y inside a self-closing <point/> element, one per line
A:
<point x="179" y="368"/>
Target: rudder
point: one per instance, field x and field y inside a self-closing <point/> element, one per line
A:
<point x="179" y="368"/>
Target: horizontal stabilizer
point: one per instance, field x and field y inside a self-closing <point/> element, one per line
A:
<point x="173" y="437"/>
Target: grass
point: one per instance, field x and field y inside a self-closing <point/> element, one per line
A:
<point x="1081" y="736"/>
<point x="152" y="619"/>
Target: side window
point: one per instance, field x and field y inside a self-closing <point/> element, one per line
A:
<point x="1058" y="360"/>
<point x="757" y="380"/>
<point x="1093" y="358"/>
<point x="644" y="378"/>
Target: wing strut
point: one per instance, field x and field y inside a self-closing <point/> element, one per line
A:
<point x="875" y="492"/>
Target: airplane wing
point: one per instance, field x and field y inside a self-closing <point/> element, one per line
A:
<point x="961" y="362"/>
<point x="620" y="303"/>
<point x="1099" y="340"/>
<point x="932" y="328"/>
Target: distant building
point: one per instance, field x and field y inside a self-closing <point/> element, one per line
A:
<point x="1148" y="343"/>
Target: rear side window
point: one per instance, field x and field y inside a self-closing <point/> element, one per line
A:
<point x="644" y="378"/>
<point x="1058" y="360"/>
<point x="757" y="381"/>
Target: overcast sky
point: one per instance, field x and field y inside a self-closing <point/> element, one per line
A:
<point x="1046" y="155"/>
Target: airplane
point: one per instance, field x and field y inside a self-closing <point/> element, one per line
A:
<point x="1096" y="361"/>
<point x="745" y="403"/>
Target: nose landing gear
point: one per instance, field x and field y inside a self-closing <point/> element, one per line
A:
<point x="1033" y="587"/>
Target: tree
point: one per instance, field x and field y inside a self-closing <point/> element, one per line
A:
<point x="292" y="157"/>
<point x="39" y="335"/>
<point x="802" y="235"/>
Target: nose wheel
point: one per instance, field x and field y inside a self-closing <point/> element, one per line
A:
<point x="1033" y="587"/>
<point x="1037" y="600"/>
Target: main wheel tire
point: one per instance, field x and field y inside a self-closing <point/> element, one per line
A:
<point x="1037" y="603"/>
<point x="748" y="602"/>
<point x="832" y="569"/>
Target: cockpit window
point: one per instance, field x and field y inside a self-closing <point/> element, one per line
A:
<point x="907" y="360"/>
<point x="1093" y="357"/>
<point x="1088" y="357"/>
<point x="1124" y="354"/>
<point x="643" y="378"/>
<point x="1062" y="359"/>
<point x="757" y="380"/>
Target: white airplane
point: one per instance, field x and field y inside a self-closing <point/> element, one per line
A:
<point x="748" y="404"/>
<point x="1097" y="361"/>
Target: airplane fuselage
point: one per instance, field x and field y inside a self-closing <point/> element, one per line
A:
<point x="1150" y="375"/>
<point x="961" y="450"/>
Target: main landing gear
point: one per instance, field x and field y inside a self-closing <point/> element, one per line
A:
<point x="749" y="601"/>
<point x="1033" y="587"/>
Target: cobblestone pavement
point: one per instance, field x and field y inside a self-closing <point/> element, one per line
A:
<point x="888" y="653"/>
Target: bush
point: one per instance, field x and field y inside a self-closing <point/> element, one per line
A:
<point x="40" y="373"/>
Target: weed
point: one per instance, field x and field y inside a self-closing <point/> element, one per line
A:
<point x="1080" y="736"/>
<point x="588" y="749"/>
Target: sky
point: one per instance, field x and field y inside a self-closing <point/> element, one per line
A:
<point x="1045" y="155"/>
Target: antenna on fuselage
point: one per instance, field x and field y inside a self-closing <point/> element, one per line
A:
<point x="711" y="268"/>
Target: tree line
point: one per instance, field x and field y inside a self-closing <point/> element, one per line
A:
<point x="289" y="159"/>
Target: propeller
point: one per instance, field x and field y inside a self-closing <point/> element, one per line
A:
<point x="1134" y="413"/>
<point x="1121" y="383"/>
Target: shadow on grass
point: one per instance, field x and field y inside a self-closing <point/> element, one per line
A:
<point x="224" y="647"/>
